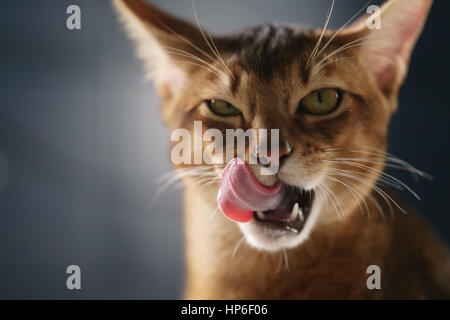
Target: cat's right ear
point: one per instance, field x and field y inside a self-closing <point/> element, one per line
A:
<point x="166" y="44"/>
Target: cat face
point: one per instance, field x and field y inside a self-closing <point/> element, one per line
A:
<point x="329" y="93"/>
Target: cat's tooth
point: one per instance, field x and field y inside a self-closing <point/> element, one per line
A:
<point x="294" y="212"/>
<point x="302" y="217"/>
<point x="260" y="215"/>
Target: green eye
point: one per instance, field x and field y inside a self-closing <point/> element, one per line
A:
<point x="222" y="108"/>
<point x="321" y="102"/>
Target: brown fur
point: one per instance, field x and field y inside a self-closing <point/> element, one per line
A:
<point x="331" y="265"/>
<point x="265" y="72"/>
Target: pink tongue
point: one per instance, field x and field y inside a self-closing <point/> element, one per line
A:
<point x="240" y="193"/>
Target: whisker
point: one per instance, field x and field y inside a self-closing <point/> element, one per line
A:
<point x="211" y="46"/>
<point x="199" y="65"/>
<point x="184" y="39"/>
<point x="385" y="175"/>
<point x="200" y="171"/>
<point x="401" y="161"/>
<point x="280" y="262"/>
<point x="177" y="174"/>
<point x="414" y="171"/>
<point x="197" y="182"/>
<point x="236" y="247"/>
<point x="213" y="214"/>
<point x="358" y="197"/>
<point x="332" y="199"/>
<point x="375" y="188"/>
<point x="170" y="173"/>
<point x="316" y="47"/>
<point x="389" y="157"/>
<point x="382" y="193"/>
<point x="379" y="208"/>
<point x="286" y="259"/>
<point x="318" y="68"/>
<point x="342" y="27"/>
<point x="351" y="44"/>
<point x="179" y="52"/>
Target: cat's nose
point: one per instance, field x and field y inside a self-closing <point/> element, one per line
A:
<point x="283" y="152"/>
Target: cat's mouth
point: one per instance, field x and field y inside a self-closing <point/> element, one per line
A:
<point x="271" y="217"/>
<point x="242" y="198"/>
<point x="291" y="214"/>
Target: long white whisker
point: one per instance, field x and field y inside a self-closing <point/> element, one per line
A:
<point x="286" y="259"/>
<point x="382" y="193"/>
<point x="211" y="45"/>
<point x="375" y="188"/>
<point x="178" y="174"/>
<point x="358" y="197"/>
<point x="236" y="247"/>
<point x="316" y="47"/>
<point x="381" y="153"/>
<point x="177" y="171"/>
<point x="330" y="197"/>
<point x="183" y="53"/>
<point x="199" y="65"/>
<point x="380" y="210"/>
<point x="184" y="39"/>
<point x="386" y="175"/>
<point x="342" y="27"/>
<point x="213" y="214"/>
<point x="351" y="44"/>
<point x="386" y="164"/>
<point x="381" y="179"/>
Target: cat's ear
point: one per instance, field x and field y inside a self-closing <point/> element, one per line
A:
<point x="163" y="42"/>
<point x="390" y="35"/>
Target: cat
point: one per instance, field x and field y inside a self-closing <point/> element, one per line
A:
<point x="331" y="94"/>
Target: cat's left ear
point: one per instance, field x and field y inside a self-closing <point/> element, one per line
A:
<point x="391" y="34"/>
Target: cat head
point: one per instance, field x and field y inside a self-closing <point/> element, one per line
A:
<point x="330" y="94"/>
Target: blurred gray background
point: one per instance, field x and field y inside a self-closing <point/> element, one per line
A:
<point x="81" y="144"/>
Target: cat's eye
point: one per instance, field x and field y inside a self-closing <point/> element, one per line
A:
<point x="321" y="102"/>
<point x="222" y="108"/>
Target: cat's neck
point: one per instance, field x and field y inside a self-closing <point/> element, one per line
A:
<point x="221" y="265"/>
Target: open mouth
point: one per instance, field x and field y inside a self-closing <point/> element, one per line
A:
<point x="280" y="207"/>
<point x="292" y="212"/>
